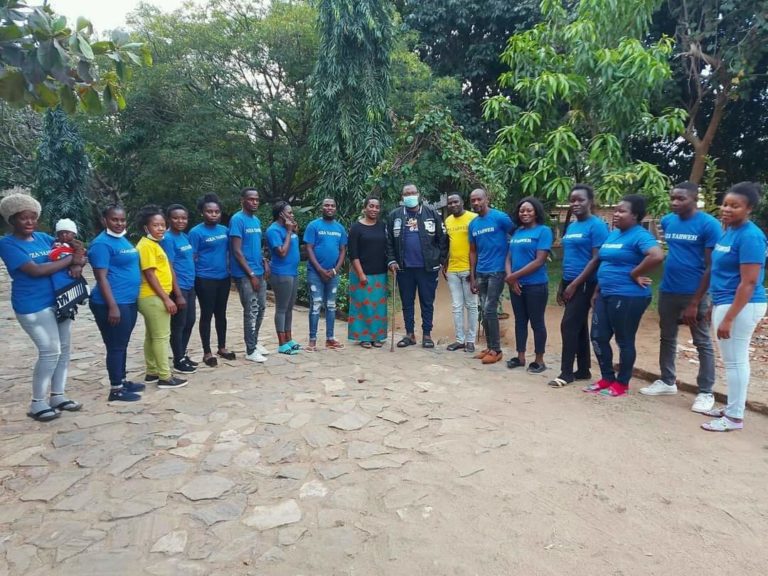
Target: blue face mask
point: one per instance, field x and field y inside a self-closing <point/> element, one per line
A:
<point x="411" y="201"/>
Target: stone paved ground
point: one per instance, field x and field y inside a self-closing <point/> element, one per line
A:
<point x="368" y="463"/>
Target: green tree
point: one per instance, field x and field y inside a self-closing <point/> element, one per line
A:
<point x="723" y="48"/>
<point x="588" y="85"/>
<point x="463" y="39"/>
<point x="62" y="171"/>
<point x="20" y="131"/>
<point x="350" y="90"/>
<point x="44" y="63"/>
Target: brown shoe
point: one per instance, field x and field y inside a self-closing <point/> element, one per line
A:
<point x="492" y="357"/>
<point x="480" y="355"/>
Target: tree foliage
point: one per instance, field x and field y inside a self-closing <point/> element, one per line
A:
<point x="20" y="130"/>
<point x="723" y="48"/>
<point x="463" y="39"/>
<point x="44" y="63"/>
<point x="588" y="85"/>
<point x="431" y="151"/>
<point x="350" y="128"/>
<point x="62" y="171"/>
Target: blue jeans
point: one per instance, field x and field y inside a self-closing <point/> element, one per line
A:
<point x="116" y="338"/>
<point x="490" y="285"/>
<point x="409" y="281"/>
<point x="530" y="307"/>
<point x="321" y="293"/>
<point x="617" y="316"/>
<point x="254" y="306"/>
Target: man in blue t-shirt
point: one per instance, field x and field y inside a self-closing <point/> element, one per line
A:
<point x="326" y="243"/>
<point x="247" y="266"/>
<point x="488" y="241"/>
<point x="690" y="236"/>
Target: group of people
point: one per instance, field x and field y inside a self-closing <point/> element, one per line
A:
<point x="481" y="253"/>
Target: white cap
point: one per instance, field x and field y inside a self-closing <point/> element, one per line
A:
<point x="65" y="224"/>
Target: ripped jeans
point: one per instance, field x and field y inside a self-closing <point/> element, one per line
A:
<point x="321" y="293"/>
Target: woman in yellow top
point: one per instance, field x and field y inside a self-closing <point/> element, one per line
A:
<point x="155" y="303"/>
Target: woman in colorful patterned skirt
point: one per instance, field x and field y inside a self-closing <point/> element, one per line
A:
<point x="368" y="278"/>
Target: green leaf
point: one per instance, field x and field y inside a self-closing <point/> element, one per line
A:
<point x="47" y="96"/>
<point x="47" y="55"/>
<point x="12" y="86"/>
<point x="82" y="23"/>
<point x="102" y="47"/>
<point x="85" y="47"/>
<point x="10" y="32"/>
<point x="91" y="101"/>
<point x="68" y="100"/>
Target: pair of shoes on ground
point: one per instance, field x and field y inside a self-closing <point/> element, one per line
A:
<point x="54" y="409"/>
<point x="330" y="344"/>
<point x="533" y="367"/>
<point x="703" y="403"/>
<point x="128" y="392"/>
<point x="426" y="341"/>
<point x="562" y="380"/>
<point x="291" y="348"/>
<point x="259" y="354"/>
<point x="468" y="347"/>
<point x="605" y="387"/>
<point x="165" y="384"/>
<point x="488" y="356"/>
<point x="721" y="422"/>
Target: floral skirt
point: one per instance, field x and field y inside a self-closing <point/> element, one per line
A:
<point x="367" y="308"/>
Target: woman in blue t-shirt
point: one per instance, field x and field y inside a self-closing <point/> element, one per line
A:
<point x="179" y="250"/>
<point x="738" y="296"/>
<point x="26" y="255"/>
<point x="284" y="250"/>
<point x="115" y="264"/>
<point x="582" y="239"/>
<point x="210" y="246"/>
<point x="526" y="269"/>
<point x="623" y="293"/>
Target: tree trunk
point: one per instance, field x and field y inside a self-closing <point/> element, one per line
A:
<point x="701" y="146"/>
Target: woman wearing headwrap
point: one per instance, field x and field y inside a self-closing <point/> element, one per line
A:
<point x="26" y="255"/>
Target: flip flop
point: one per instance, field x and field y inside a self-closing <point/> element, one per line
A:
<point x="367" y="345"/>
<point x="376" y="344"/>
<point x="558" y="383"/>
<point x="44" y="415"/>
<point x="68" y="405"/>
<point x="407" y="341"/>
<point x="427" y="342"/>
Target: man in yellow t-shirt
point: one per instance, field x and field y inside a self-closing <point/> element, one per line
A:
<point x="457" y="275"/>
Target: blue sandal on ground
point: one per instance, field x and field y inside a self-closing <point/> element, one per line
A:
<point x="287" y="348"/>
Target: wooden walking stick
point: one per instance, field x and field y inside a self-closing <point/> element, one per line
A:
<point x="392" y="311"/>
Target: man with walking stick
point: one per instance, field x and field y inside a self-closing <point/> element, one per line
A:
<point x="416" y="247"/>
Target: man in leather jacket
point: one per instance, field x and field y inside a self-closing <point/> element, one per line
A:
<point x="417" y="246"/>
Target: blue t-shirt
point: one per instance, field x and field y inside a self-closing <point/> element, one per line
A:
<point x="28" y="294"/>
<point x="326" y="238"/>
<point x="179" y="252"/>
<point x="210" y="245"/>
<point x="248" y="229"/>
<point x="687" y="241"/>
<point x="621" y="252"/>
<point x="413" y="256"/>
<point x="289" y="264"/>
<point x="523" y="245"/>
<point x="489" y="235"/>
<point x="743" y="245"/>
<point x="580" y="238"/>
<point x="121" y="261"/>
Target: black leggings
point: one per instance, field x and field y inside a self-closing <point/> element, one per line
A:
<point x="213" y="296"/>
<point x="181" y="326"/>
<point x="574" y="329"/>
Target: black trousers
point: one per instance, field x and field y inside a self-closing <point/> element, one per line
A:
<point x="574" y="329"/>
<point x="213" y="296"/>
<point x="181" y="325"/>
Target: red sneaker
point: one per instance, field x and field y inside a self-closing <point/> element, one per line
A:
<point x="615" y="390"/>
<point x="596" y="387"/>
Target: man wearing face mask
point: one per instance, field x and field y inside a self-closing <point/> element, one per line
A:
<point x="416" y="247"/>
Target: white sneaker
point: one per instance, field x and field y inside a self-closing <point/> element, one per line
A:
<point x="255" y="357"/>
<point x="261" y="350"/>
<point x="659" y="388"/>
<point x="703" y="403"/>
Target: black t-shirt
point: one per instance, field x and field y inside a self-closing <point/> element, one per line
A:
<point x="369" y="245"/>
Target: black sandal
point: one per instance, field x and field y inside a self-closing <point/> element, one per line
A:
<point x="406" y="341"/>
<point x="376" y="344"/>
<point x="68" y="405"/>
<point x="514" y="363"/>
<point x="226" y="355"/>
<point x="427" y="342"/>
<point x="44" y="415"/>
<point x="211" y="361"/>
